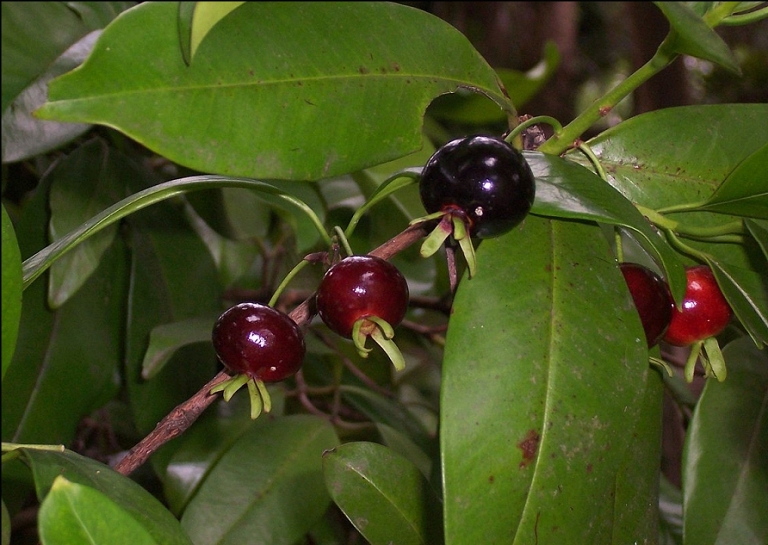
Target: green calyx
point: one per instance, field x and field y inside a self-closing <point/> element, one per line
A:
<point x="257" y="391"/>
<point x="382" y="333"/>
<point x="450" y="224"/>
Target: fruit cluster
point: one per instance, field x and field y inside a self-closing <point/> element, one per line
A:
<point x="477" y="186"/>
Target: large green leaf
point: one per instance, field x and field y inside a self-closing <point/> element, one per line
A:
<point x="267" y="488"/>
<point x="134" y="501"/>
<point x="285" y="90"/>
<point x="747" y="293"/>
<point x="11" y="289"/>
<point x="543" y="384"/>
<point x="725" y="469"/>
<point x="383" y="495"/>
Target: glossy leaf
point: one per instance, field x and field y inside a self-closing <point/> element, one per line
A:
<point x="267" y="488"/>
<point x="546" y="340"/>
<point x="692" y="36"/>
<point x="383" y="494"/>
<point x="725" y="470"/>
<point x="87" y="181"/>
<point x="274" y="100"/>
<point x="35" y="34"/>
<point x="747" y="294"/>
<point x="566" y="190"/>
<point x="710" y="144"/>
<point x="194" y="24"/>
<point x="745" y="191"/>
<point x="11" y="289"/>
<point x="132" y="499"/>
<point x="72" y="513"/>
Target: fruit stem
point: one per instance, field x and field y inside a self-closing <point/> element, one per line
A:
<point x="343" y="239"/>
<point x="586" y="150"/>
<point x="406" y="177"/>
<point x="547" y="120"/>
<point x="293" y="272"/>
<point x="560" y="142"/>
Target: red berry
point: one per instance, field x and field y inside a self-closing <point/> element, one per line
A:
<point x="652" y="298"/>
<point x="259" y="341"/>
<point x="705" y="311"/>
<point x="483" y="179"/>
<point x="361" y="286"/>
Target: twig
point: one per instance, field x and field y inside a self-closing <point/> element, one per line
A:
<point x="186" y="413"/>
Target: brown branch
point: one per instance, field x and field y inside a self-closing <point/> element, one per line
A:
<point x="184" y="415"/>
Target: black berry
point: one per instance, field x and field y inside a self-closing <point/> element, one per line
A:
<point x="482" y="179"/>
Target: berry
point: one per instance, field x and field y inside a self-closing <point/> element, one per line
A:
<point x="362" y="296"/>
<point x="705" y="311"/>
<point x="652" y="298"/>
<point x="483" y="180"/>
<point x="258" y="341"/>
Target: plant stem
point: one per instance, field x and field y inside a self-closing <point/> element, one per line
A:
<point x="559" y="143"/>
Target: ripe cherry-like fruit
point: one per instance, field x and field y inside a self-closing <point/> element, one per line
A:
<point x="481" y="179"/>
<point x="705" y="311"/>
<point x="362" y="296"/>
<point x="652" y="299"/>
<point x="258" y="341"/>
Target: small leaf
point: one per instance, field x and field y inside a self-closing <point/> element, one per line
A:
<point x="383" y="494"/>
<point x="166" y="339"/>
<point x="692" y="36"/>
<point x="725" y="470"/>
<point x="11" y="289"/>
<point x="73" y="514"/>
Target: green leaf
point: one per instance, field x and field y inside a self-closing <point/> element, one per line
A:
<point x="543" y="384"/>
<point x="710" y="144"/>
<point x="745" y="191"/>
<point x="34" y="35"/>
<point x="566" y="190"/>
<point x="267" y="94"/>
<point x="267" y="488"/>
<point x="195" y="23"/>
<point x="133" y="500"/>
<point x="692" y="36"/>
<point x="747" y="294"/>
<point x="72" y="514"/>
<point x="725" y="470"/>
<point x="166" y="339"/>
<point x="66" y="361"/>
<point x="84" y="183"/>
<point x="11" y="289"/>
<point x="383" y="494"/>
